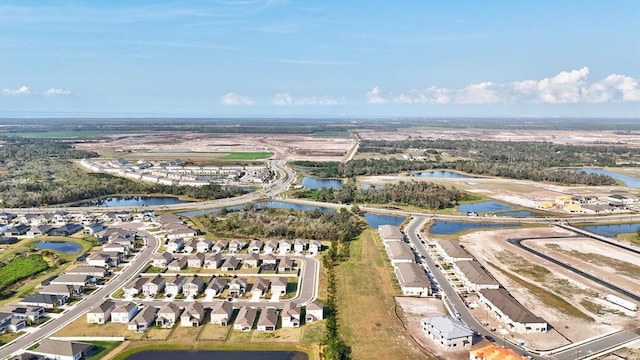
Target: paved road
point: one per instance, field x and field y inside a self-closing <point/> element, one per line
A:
<point x="90" y="301"/>
<point x="597" y="346"/>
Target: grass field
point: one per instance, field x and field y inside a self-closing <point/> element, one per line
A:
<point x="20" y="268"/>
<point x="366" y="305"/>
<point x="258" y="155"/>
<point x="9" y="336"/>
<point x="332" y="133"/>
<point x="102" y="348"/>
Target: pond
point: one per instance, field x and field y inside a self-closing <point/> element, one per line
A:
<point x="312" y="183"/>
<point x="374" y="220"/>
<point x="484" y="207"/>
<point x="66" y="247"/>
<point x="627" y="180"/>
<point x="440" y="174"/>
<point x="259" y="205"/>
<point x="452" y="227"/>
<point x="218" y="354"/>
<point x="115" y="201"/>
<point x="370" y="186"/>
<point x="612" y="230"/>
<point x="519" y="213"/>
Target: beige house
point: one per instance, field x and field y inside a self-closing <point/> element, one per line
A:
<point x="101" y="313"/>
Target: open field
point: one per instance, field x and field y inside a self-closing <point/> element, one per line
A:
<point x="567" y="301"/>
<point x="260" y="155"/>
<point x="366" y="305"/>
<point x="65" y="134"/>
<point x="79" y="327"/>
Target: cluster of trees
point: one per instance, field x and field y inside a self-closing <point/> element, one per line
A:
<point x="537" y="161"/>
<point x="422" y="194"/>
<point x="289" y="224"/>
<point x="42" y="173"/>
<point x="334" y="346"/>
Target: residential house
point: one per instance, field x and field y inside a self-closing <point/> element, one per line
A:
<point x="96" y="272"/>
<point x="25" y="218"/>
<point x="87" y="218"/>
<point x="175" y="231"/>
<point x="16" y="324"/>
<point x="61" y="217"/>
<point x="315" y="247"/>
<point x="285" y="246"/>
<point x="17" y="230"/>
<point x="236" y="245"/>
<point x="193" y="315"/>
<point x="62" y="350"/>
<point x="68" y="291"/>
<point x="399" y="252"/>
<point x="279" y="286"/>
<point x="115" y="248"/>
<point x="245" y="319"/>
<point x="5" y="321"/>
<point x="203" y="245"/>
<point x="268" y="320"/>
<point x="38" y="230"/>
<point x="511" y="312"/>
<point x="255" y="246"/>
<point x="237" y="287"/>
<point x="220" y="246"/>
<point x="260" y="287"/>
<point x="174" y="245"/>
<point x="162" y="260"/>
<point x="451" y="251"/>
<point x="193" y="287"/>
<point x="212" y="261"/>
<point x="153" y="286"/>
<point x="390" y="233"/>
<point x="270" y="246"/>
<point x="448" y="332"/>
<point x="168" y="315"/>
<point x="123" y="216"/>
<point x="221" y="313"/>
<point x="230" y="264"/>
<point x="215" y="287"/>
<point x="412" y="279"/>
<point x="6" y="218"/>
<point x="146" y="215"/>
<point x="285" y="264"/>
<point x="66" y="230"/>
<point x="124" y="313"/>
<point x="269" y="262"/>
<point x="93" y="228"/>
<point x="474" y="276"/>
<point x="300" y="245"/>
<point x="177" y="264"/>
<point x="143" y="319"/>
<point x="134" y="287"/>
<point x="28" y="313"/>
<point x="101" y="259"/>
<point x="72" y="279"/>
<point x="251" y="261"/>
<point x="43" y="300"/>
<point x="101" y="313"/>
<point x="189" y="245"/>
<point x="195" y="260"/>
<point x="174" y="286"/>
<point x="290" y="315"/>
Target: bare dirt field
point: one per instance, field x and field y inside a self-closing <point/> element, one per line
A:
<point x="163" y="145"/>
<point x="566" y="300"/>
<point x="578" y="137"/>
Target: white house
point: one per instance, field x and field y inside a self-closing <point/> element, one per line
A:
<point x="143" y="319"/>
<point x="221" y="312"/>
<point x="448" y="332"/>
<point x="124" y="313"/>
<point x="290" y="315"/>
<point x="102" y="313"/>
<point x="61" y="350"/>
<point x="314" y="311"/>
<point x="514" y="315"/>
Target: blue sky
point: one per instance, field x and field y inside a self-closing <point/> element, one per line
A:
<point x="321" y="58"/>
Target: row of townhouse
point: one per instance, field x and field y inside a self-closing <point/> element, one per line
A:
<point x="194" y="314"/>
<point x="475" y="278"/>
<point x="411" y="277"/>
<point x="267" y="262"/>
<point x="255" y="246"/>
<point x="84" y="218"/>
<point x="212" y="287"/>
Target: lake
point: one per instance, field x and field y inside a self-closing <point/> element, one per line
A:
<point x="612" y="230"/>
<point x="312" y="183"/>
<point x="440" y="174"/>
<point x="374" y="220"/>
<point x="62" y="246"/>
<point x="115" y="201"/>
<point x="218" y="354"/>
<point x="452" y="227"/>
<point x="627" y="180"/>
<point x="484" y="207"/>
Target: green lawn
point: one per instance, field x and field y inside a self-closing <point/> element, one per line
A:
<point x="257" y="155"/>
<point x="102" y="348"/>
<point x="20" y="268"/>
<point x="331" y="133"/>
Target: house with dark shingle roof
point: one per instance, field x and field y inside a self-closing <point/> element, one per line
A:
<point x="516" y="317"/>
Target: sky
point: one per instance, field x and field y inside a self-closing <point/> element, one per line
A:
<point x="283" y="58"/>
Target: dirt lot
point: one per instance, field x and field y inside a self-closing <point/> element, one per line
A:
<point x="165" y="145"/>
<point x="576" y="313"/>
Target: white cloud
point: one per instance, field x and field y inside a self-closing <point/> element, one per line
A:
<point x="374" y="97"/>
<point x="282" y="99"/>
<point x="565" y="87"/>
<point x="54" y="91"/>
<point x="235" y="99"/>
<point x="22" y="90"/>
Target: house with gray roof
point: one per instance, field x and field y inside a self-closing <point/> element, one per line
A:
<point x="193" y="315"/>
<point x="474" y="276"/>
<point x="447" y="332"/>
<point x="124" y="313"/>
<point x="162" y="260"/>
<point x="95" y="272"/>
<point x="511" y="312"/>
<point x="237" y="286"/>
<point x="285" y="264"/>
<point x="195" y="260"/>
<point x="174" y="285"/>
<point x="69" y="291"/>
<point x="270" y="247"/>
<point x="451" y="251"/>
<point x="153" y="286"/>
<point x="230" y="264"/>
<point x="314" y="311"/>
<point x="143" y="319"/>
<point x="260" y="287"/>
<point x="255" y="246"/>
<point x="268" y="320"/>
<point x="399" y="252"/>
<point x="177" y="264"/>
<point x="204" y="245"/>
<point x="390" y="233"/>
<point x="44" y="300"/>
<point x="212" y="261"/>
<point x="251" y="261"/>
<point x="412" y="279"/>
<point x="290" y="315"/>
<point x="215" y="287"/>
<point x="279" y="286"/>
<point x="62" y="350"/>
<point x="134" y="287"/>
<point x="220" y="246"/>
<point x="101" y="313"/>
<point x="221" y="313"/>
<point x="245" y="319"/>
<point x="193" y="286"/>
<point x="168" y="315"/>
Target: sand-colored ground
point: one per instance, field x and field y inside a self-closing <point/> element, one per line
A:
<point x="490" y="247"/>
<point x="288" y="147"/>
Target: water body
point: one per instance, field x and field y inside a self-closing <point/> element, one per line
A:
<point x="116" y="201"/>
<point x="374" y="220"/>
<point x="259" y="205"/>
<point x="369" y="186"/>
<point x="519" y="213"/>
<point x="62" y="246"/>
<point x="612" y="230"/>
<point x="484" y="207"/>
<point x="218" y="355"/>
<point x="627" y="180"/>
<point x="452" y="227"/>
<point x="312" y="183"/>
<point x="440" y="174"/>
